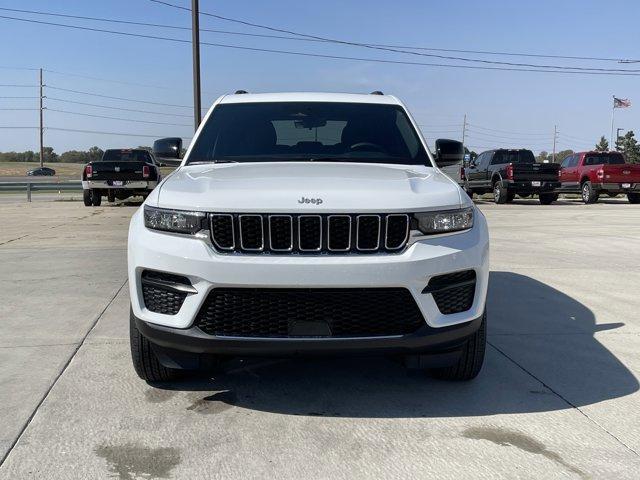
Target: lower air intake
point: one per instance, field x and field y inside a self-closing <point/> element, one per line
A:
<point x="453" y="292"/>
<point x="158" y="293"/>
<point x="286" y="313"/>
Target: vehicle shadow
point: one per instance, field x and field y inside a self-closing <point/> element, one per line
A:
<point x="533" y="328"/>
<point x="562" y="201"/>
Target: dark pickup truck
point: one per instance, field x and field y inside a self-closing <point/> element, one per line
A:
<point x="508" y="173"/>
<point x="121" y="173"/>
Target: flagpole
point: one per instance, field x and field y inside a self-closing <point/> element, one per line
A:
<point x="613" y="111"/>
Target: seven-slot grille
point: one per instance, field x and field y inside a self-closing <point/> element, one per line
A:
<point x="309" y="233"/>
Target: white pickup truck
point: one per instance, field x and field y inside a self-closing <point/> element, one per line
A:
<point x="308" y="224"/>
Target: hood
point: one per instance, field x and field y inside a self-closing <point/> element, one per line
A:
<point x="308" y="187"/>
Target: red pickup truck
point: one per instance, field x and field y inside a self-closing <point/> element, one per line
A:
<point x="593" y="173"/>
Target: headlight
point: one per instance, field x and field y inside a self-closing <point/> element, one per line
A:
<point x="444" y="221"/>
<point x="177" y="221"/>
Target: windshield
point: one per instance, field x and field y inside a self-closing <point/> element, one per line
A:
<point x="309" y="131"/>
<point x="606" y="159"/>
<point x="127" y="156"/>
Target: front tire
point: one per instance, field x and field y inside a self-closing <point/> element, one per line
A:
<point x="86" y="196"/>
<point x="589" y="195"/>
<point x="633" y="197"/>
<point x="111" y="196"/>
<point x="145" y="362"/>
<point x="471" y="359"/>
<point x="547" y="198"/>
<point x="469" y="192"/>
<point x="499" y="193"/>
<point x="96" y="198"/>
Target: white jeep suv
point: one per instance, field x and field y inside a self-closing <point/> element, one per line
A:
<point x="308" y="224"/>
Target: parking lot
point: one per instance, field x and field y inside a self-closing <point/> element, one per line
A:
<point x="557" y="398"/>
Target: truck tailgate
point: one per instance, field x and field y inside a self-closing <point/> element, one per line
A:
<point x="545" y="172"/>
<point x="626" y="173"/>
<point x="117" y="170"/>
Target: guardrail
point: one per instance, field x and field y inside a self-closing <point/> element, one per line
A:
<point x="39" y="186"/>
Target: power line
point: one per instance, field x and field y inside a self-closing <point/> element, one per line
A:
<point x="508" y="137"/>
<point x="388" y="49"/>
<point x="118" y="118"/>
<point x="574" y="138"/>
<point x="332" y="57"/>
<point x="507" y="131"/>
<point x="121" y="82"/>
<point x="115" y="98"/>
<point x="17" y="85"/>
<point x="107" y="133"/>
<point x="16" y="127"/>
<point x="313" y="39"/>
<point x="19" y="97"/>
<point x="117" y="108"/>
<point x="22" y="109"/>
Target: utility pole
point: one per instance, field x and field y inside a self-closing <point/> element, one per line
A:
<point x="195" y="40"/>
<point x="41" y="124"/>
<point x="555" y="137"/>
<point x="464" y="128"/>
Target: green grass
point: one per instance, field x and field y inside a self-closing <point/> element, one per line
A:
<point x="63" y="170"/>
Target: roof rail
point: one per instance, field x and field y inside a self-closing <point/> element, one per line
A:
<point x="377" y="92"/>
<point x="240" y="92"/>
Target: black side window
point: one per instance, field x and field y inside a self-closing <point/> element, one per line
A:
<point x="498" y="158"/>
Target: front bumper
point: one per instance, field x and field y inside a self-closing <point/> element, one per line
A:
<point x="189" y="348"/>
<point x="194" y="257"/>
<point x="127" y="185"/>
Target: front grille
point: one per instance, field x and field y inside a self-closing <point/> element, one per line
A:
<point x="453" y="292"/>
<point x="287" y="313"/>
<point x="161" y="291"/>
<point x="308" y="234"/>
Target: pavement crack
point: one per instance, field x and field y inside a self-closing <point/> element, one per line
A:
<point x="40" y="345"/>
<point x="62" y="370"/>
<point x="563" y="398"/>
<point x="13" y="239"/>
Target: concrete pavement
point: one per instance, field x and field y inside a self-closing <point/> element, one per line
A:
<point x="558" y="397"/>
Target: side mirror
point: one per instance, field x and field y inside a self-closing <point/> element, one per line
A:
<point x="448" y="152"/>
<point x="168" y="150"/>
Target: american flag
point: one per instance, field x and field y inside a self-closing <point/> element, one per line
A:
<point x="621" y="102"/>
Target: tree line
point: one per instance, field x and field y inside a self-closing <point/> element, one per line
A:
<point x="626" y="144"/>
<point x="70" y="156"/>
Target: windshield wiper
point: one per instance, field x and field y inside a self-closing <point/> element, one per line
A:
<point x="200" y="162"/>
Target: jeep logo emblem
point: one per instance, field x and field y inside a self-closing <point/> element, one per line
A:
<point x="315" y="201"/>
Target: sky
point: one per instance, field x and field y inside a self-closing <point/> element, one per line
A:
<point x="503" y="108"/>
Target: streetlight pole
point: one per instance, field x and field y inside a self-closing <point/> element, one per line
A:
<point x="195" y="40"/>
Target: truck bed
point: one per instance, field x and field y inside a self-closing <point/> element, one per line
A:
<point x="625" y="173"/>
<point x="544" y="172"/>
<point x="119" y="171"/>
